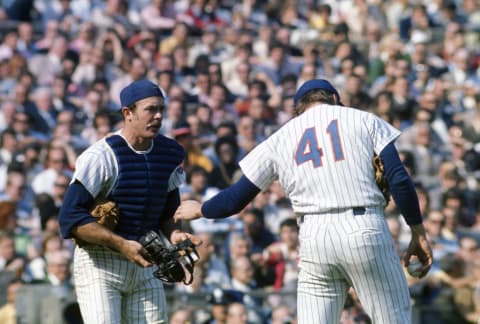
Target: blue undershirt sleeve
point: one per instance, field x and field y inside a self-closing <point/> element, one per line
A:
<point x="74" y="210"/>
<point x="401" y="186"/>
<point x="230" y="200"/>
<point x="172" y="203"/>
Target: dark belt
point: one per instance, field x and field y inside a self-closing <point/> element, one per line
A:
<point x="357" y="211"/>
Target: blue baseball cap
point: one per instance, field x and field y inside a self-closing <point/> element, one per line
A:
<point x="138" y="90"/>
<point x="315" y="84"/>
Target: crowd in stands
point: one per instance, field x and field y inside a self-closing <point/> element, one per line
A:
<point x="230" y="70"/>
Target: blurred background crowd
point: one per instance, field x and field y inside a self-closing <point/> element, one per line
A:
<point x="230" y="69"/>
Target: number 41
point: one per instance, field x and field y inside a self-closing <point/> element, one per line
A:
<point x="308" y="150"/>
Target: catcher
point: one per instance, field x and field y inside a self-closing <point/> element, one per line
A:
<point x="139" y="172"/>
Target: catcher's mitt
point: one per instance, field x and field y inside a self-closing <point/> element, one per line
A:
<point x="380" y="178"/>
<point x="106" y="212"/>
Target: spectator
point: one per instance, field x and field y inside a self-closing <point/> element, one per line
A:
<point x="238" y="83"/>
<point x="56" y="163"/>
<point x="101" y="127"/>
<point x="112" y="16"/>
<point x="45" y="66"/>
<point x="18" y="190"/>
<point x="181" y="315"/>
<point x="282" y="256"/>
<point x="85" y="37"/>
<point x="247" y="135"/>
<point x="208" y="46"/>
<point x="175" y="116"/>
<point x="243" y="281"/>
<point x="355" y="95"/>
<point x="216" y="272"/>
<point x="136" y="72"/>
<point x="43" y="111"/>
<point x="183" y="135"/>
<point x="179" y="37"/>
<point x="10" y="260"/>
<point x="159" y="16"/>
<point x="218" y="301"/>
<point x="468" y="248"/>
<point x="254" y="228"/>
<point x="226" y="149"/>
<point x="8" y="312"/>
<point x="236" y="314"/>
<point x="202" y="14"/>
<point x="197" y="184"/>
<point x="57" y="266"/>
<point x="278" y="64"/>
<point x="282" y="314"/>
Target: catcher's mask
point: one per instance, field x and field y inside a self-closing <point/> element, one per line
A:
<point x="174" y="262"/>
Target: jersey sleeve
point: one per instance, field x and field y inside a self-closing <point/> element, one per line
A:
<point x="259" y="166"/>
<point x="177" y="178"/>
<point x="382" y="133"/>
<point x="95" y="169"/>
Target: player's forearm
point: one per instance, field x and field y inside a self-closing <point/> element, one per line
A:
<point x="97" y="234"/>
<point x="75" y="207"/>
<point x="401" y="186"/>
<point x="406" y="199"/>
<point x="231" y="200"/>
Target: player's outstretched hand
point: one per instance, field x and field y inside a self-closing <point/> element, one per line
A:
<point x="420" y="247"/>
<point x="188" y="210"/>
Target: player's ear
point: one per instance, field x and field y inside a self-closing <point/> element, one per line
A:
<point x="126" y="112"/>
<point x="337" y="100"/>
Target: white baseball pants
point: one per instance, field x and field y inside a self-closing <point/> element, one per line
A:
<point x="346" y="249"/>
<point x="111" y="290"/>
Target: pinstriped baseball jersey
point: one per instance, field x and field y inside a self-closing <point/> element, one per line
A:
<point x="96" y="168"/>
<point x="323" y="152"/>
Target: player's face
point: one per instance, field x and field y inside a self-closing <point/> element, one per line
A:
<point x="146" y="118"/>
<point x="289" y="235"/>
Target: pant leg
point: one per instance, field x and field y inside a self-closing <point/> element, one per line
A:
<point x="322" y="289"/>
<point x="97" y="287"/>
<point x="375" y="270"/>
<point x="146" y="302"/>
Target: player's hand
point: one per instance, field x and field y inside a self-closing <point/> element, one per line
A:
<point x="188" y="210"/>
<point x="135" y="252"/>
<point x="178" y="236"/>
<point x="420" y="247"/>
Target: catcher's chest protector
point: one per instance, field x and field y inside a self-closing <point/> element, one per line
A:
<point x="142" y="183"/>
